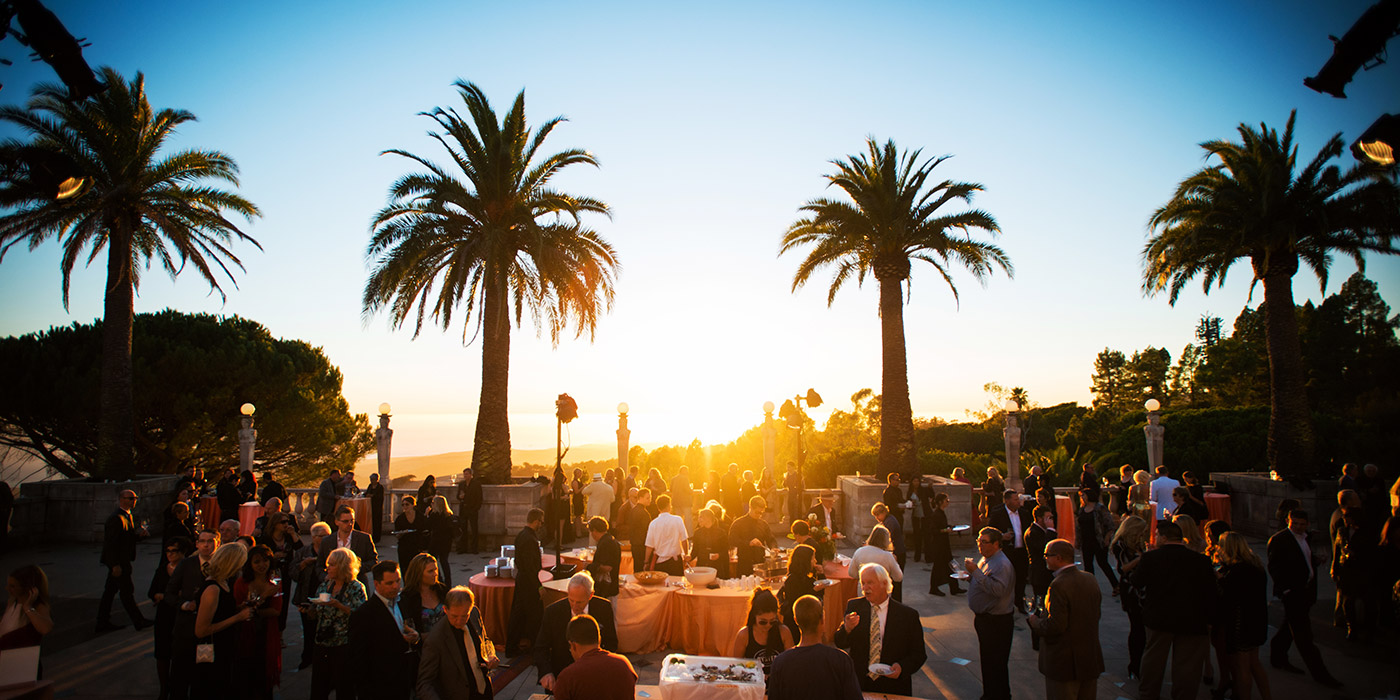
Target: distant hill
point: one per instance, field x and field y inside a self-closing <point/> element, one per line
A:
<point x="451" y="463"/>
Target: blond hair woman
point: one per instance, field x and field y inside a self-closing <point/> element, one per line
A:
<point x="337" y="597"/>
<point x="215" y="620"/>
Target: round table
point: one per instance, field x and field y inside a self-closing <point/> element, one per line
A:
<point x="209" y="513"/>
<point x="493" y="597"/>
<point x="834" y="598"/>
<point x="248" y="514"/>
<point x="361" y="508"/>
<point x="1064" y="517"/>
<point x="1218" y="505"/>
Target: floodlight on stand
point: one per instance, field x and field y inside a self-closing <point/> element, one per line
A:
<point x="1152" y="405"/>
<point x="813" y="398"/>
<point x="384" y="409"/>
<point x="565" y="408"/>
<point x="1363" y="43"/>
<point x="247" y="409"/>
<point x="1377" y="144"/>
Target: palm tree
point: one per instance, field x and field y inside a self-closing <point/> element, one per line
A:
<point x="497" y="240"/>
<point x="138" y="204"/>
<point x="1253" y="205"/>
<point x="893" y="218"/>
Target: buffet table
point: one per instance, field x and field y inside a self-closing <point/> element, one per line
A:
<point x="697" y="620"/>
<point x="493" y="597"/>
<point x="573" y="557"/>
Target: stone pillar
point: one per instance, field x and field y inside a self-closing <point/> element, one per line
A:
<point x="384" y="438"/>
<point x="247" y="439"/>
<point x="1155" y="432"/>
<point x="623" y="437"/>
<point x="770" y="438"/>
<point x="1012" y="437"/>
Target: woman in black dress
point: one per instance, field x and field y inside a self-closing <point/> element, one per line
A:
<point x="411" y="529"/>
<point x="375" y="493"/>
<point x="993" y="491"/>
<point x="1244" y="611"/>
<point x="215" y="623"/>
<point x="281" y="537"/>
<point x="938" y="551"/>
<point x="765" y="636"/>
<point x="176" y="549"/>
<point x="1128" y="544"/>
<point x="802" y="579"/>
<point x="442" y="528"/>
<point x="426" y="493"/>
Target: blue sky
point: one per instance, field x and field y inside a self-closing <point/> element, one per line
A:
<point x="714" y="123"/>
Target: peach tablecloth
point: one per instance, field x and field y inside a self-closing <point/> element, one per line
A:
<point x="1064" y="518"/>
<point x="362" y="516"/>
<point x="248" y="515"/>
<point x="1218" y="505"/>
<point x="834" y="598"/>
<point x="626" y="566"/>
<point x="494" y="596"/>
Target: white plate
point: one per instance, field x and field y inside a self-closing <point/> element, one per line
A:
<point x="961" y="528"/>
<point x="960" y="576"/>
<point x="881" y="669"/>
<point x="826" y="582"/>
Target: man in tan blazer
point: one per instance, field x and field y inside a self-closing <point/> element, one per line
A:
<point x="1070" y="656"/>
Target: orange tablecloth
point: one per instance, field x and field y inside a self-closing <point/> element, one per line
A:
<point x="361" y="506"/>
<point x="1218" y="505"/>
<point x="625" y="567"/>
<point x="248" y="515"/>
<point x="209" y="513"/>
<point x="494" y="596"/>
<point x="1064" y="518"/>
<point x="834" y="598"/>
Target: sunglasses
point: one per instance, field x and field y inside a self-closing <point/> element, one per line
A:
<point x="765" y="623"/>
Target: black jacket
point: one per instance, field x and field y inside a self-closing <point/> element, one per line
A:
<point x="119" y="537"/>
<point x="380" y="659"/>
<point x="552" y="647"/>
<point x="1178" y="587"/>
<point x="1292" y="574"/>
<point x="609" y="553"/>
<point x="903" y="644"/>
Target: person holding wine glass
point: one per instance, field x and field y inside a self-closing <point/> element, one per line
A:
<point x="216" y="618"/>
<point x="259" y="667"/>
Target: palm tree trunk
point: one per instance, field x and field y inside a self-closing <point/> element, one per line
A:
<point x="115" y="423"/>
<point x="896" y="416"/>
<point x="491" y="447"/>
<point x="1290" y="445"/>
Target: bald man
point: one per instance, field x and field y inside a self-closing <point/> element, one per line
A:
<point x="119" y="537"/>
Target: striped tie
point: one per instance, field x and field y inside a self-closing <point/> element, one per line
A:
<point x="876" y="639"/>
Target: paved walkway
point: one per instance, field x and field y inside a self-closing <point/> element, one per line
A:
<point x="119" y="665"/>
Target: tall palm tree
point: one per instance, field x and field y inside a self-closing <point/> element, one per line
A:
<point x="893" y="218"/>
<point x="1254" y="204"/>
<point x="492" y="237"/>
<point x="137" y="203"/>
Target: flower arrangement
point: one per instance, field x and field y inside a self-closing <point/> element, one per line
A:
<point x="821" y="540"/>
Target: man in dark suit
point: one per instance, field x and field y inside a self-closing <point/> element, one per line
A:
<point x="1179" y="603"/>
<point x="182" y="593"/>
<point x="552" y="644"/>
<point x="893" y="497"/>
<point x="526" y="607"/>
<point x="354" y="540"/>
<point x="469" y="511"/>
<point x="1012" y="519"/>
<point x="1070" y="656"/>
<point x="327" y="495"/>
<point x="1293" y="559"/>
<point x="456" y="657"/>
<point x="638" y="522"/>
<point x="381" y="646"/>
<point x="826" y="514"/>
<point x="606" y="567"/>
<point x="1037" y="536"/>
<point x="119" y="536"/>
<point x="1031" y="484"/>
<point x="897" y="642"/>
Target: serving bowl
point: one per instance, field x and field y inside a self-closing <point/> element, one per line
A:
<point x="650" y="578"/>
<point x="701" y="576"/>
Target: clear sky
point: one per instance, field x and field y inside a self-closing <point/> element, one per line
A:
<point x="714" y="123"/>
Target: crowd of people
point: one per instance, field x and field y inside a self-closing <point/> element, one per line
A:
<point x="1194" y="592"/>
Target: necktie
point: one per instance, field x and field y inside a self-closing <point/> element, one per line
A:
<point x="472" y="660"/>
<point x="876" y="638"/>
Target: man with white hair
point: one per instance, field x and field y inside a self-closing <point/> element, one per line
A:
<point x="228" y="531"/>
<point x="880" y="630"/>
<point x="552" y="645"/>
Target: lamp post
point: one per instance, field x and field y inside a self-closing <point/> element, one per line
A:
<point x="623" y="435"/>
<point x="770" y="437"/>
<point x="1155" y="432"/>
<point x="1011" y="435"/>
<point x="247" y="437"/>
<point x="384" y="438"/>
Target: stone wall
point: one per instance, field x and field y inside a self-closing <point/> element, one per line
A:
<point x="859" y="493"/>
<point x="1254" y="499"/>
<point x="74" y="510"/>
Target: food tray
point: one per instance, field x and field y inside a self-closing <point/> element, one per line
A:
<point x="683" y="677"/>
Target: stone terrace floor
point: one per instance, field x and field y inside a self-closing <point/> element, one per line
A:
<point x="119" y="664"/>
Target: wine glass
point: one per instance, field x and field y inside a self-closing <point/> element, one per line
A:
<point x="1032" y="602"/>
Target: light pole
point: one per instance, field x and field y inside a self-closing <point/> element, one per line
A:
<point x="795" y="420"/>
<point x="384" y="438"/>
<point x="623" y="435"/>
<point x="1012" y="437"/>
<point x="1155" y="432"/>
<point x="247" y="437"/>
<point x="770" y="437"/>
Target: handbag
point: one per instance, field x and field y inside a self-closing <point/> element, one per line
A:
<point x="204" y="653"/>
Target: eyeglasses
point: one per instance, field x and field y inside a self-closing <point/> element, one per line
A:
<point x="172" y="551"/>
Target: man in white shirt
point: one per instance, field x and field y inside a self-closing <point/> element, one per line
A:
<point x="381" y="645"/>
<point x="1161" y="492"/>
<point x="667" y="539"/>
